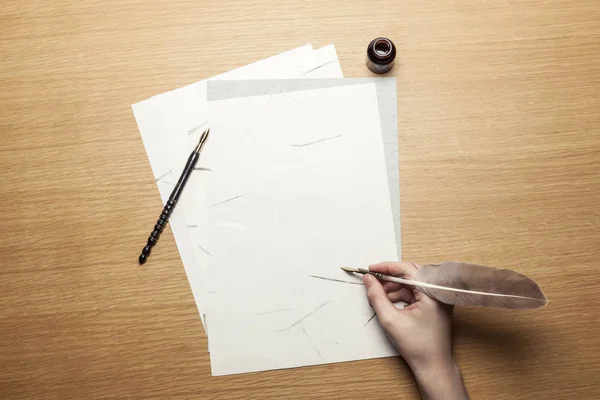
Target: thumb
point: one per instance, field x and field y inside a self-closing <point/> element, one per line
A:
<point x="378" y="299"/>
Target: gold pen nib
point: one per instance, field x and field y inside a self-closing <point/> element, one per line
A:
<point x="202" y="140"/>
<point x="359" y="271"/>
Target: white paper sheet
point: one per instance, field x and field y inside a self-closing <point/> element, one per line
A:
<point x="388" y="117"/>
<point x="298" y="188"/>
<point x="161" y="117"/>
<point x="324" y="63"/>
<point x="166" y="120"/>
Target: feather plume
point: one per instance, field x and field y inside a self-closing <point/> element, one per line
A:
<point x="466" y="284"/>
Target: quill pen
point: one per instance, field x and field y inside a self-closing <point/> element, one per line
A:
<point x="464" y="284"/>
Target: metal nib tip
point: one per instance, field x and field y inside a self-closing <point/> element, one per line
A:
<point x="202" y="140"/>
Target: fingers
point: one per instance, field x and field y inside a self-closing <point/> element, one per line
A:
<point x="395" y="268"/>
<point x="390" y="287"/>
<point x="401" y="295"/>
<point x="422" y="297"/>
<point x="432" y="305"/>
<point x="378" y="299"/>
<point x="426" y="300"/>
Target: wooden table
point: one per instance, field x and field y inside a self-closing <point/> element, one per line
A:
<point x="499" y="124"/>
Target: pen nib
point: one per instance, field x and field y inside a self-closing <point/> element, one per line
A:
<point x="349" y="269"/>
<point x="202" y="140"/>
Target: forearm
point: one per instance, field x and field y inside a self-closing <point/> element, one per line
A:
<point x="441" y="382"/>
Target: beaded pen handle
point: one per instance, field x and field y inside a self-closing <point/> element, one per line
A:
<point x="168" y="209"/>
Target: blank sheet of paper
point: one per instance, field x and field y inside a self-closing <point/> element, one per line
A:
<point x="322" y="63"/>
<point x="159" y="117"/>
<point x="388" y="117"/>
<point x="168" y="121"/>
<point x="297" y="187"/>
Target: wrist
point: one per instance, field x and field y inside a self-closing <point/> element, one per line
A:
<point x="435" y="366"/>
<point x="440" y="379"/>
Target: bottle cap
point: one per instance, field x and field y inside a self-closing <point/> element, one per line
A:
<point x="381" y="53"/>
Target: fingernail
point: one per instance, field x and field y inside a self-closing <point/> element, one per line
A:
<point x="367" y="279"/>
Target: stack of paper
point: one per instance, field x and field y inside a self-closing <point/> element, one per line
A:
<point x="298" y="178"/>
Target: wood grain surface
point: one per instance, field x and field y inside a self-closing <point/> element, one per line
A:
<point x="499" y="125"/>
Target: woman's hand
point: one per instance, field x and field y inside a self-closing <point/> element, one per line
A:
<point x="421" y="331"/>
